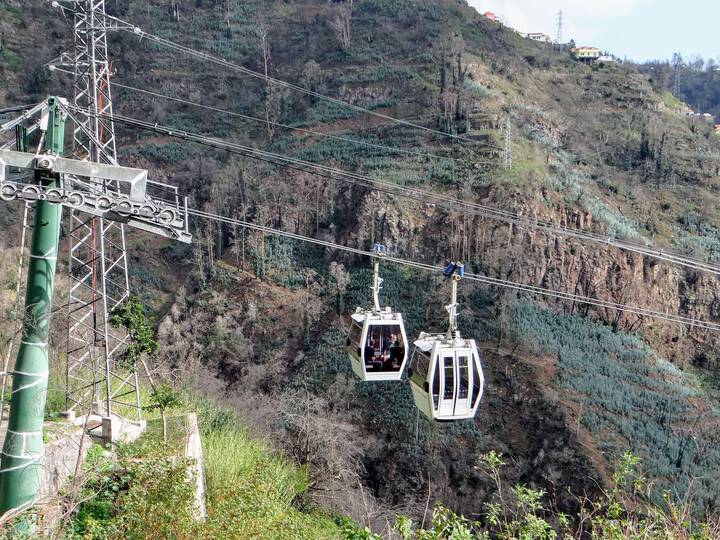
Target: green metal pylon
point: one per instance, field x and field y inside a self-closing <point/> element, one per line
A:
<point x="22" y="454"/>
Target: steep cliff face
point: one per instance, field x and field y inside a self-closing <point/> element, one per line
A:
<point x="561" y="263"/>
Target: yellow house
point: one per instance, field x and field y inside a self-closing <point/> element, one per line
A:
<point x="586" y="54"/>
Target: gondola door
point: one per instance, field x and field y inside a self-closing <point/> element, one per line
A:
<point x="456" y="383"/>
<point x="463" y="384"/>
<point x="446" y="404"/>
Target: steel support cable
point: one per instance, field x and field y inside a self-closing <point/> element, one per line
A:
<point x="643" y="312"/>
<point x="17" y="108"/>
<point x="284" y="84"/>
<point x="448" y="202"/>
<point x="255" y="119"/>
<point x="132" y="29"/>
<point x="625" y="245"/>
<point x="334" y="172"/>
<point x="142" y="34"/>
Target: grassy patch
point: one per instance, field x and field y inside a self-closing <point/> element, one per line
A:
<point x="250" y="488"/>
<point x="144" y="492"/>
<point x="670" y="101"/>
<point x="324" y="112"/>
<point x="132" y="499"/>
<point x="384" y="72"/>
<point x="12" y="60"/>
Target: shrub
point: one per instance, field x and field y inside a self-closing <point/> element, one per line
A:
<point x="133" y="500"/>
<point x="519" y="513"/>
<point x="145" y="493"/>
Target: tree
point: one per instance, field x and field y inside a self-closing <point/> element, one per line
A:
<point x="677" y="64"/>
<point x="131" y="316"/>
<point x="274" y="97"/>
<point x="340" y="23"/>
<point x="342" y="279"/>
<point x="176" y="11"/>
<point x="312" y="76"/>
<point x="163" y="397"/>
<point x="453" y="75"/>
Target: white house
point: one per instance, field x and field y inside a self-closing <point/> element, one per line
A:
<point x="539" y="36"/>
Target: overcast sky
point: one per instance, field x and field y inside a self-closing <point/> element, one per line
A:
<point x="638" y="29"/>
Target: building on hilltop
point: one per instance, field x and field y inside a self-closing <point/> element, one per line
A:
<point x="539" y="36"/>
<point x="586" y="54"/>
<point x="491" y="16"/>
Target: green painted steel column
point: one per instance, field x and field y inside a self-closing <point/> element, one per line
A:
<point x="22" y="454"/>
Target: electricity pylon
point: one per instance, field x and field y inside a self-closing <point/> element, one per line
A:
<point x="98" y="265"/>
<point x="507" y="153"/>
<point x="559" y="32"/>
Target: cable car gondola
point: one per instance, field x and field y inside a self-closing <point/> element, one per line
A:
<point x="446" y="376"/>
<point x="376" y="343"/>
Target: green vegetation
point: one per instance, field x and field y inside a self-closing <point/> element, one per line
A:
<point x="590" y="139"/>
<point x="629" y="398"/>
<point x="286" y="263"/>
<point x="133" y="500"/>
<point x="143" y="489"/>
<point x="144" y="492"/>
<point x="130" y="315"/>
<point x="12" y="59"/>
<point x="698" y="238"/>
<point x="670" y="101"/>
<point x="167" y="154"/>
<point x="383" y="72"/>
<point x="622" y="512"/>
<point x="324" y="112"/>
<point x="251" y="490"/>
<point x="695" y="80"/>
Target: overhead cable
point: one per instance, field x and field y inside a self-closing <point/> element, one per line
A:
<point x="142" y="34"/>
<point x="284" y="84"/>
<point x="613" y="306"/>
<point x="447" y="202"/>
<point x="627" y="245"/>
<point x="255" y="119"/>
<point x="17" y="108"/>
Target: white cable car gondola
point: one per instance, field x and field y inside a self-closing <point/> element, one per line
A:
<point x="376" y="343"/>
<point x="446" y="376"/>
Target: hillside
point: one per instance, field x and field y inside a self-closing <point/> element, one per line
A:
<point x="258" y="324"/>
<point x="694" y="81"/>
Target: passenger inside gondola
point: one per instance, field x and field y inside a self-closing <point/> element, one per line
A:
<point x="384" y="349"/>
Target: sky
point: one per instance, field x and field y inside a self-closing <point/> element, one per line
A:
<point x="636" y="29"/>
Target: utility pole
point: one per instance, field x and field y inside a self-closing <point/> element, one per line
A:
<point x="22" y="453"/>
<point x="559" y="35"/>
<point x="507" y="154"/>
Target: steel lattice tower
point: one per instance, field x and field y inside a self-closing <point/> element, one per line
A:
<point x="98" y="265"/>
<point x="559" y="32"/>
